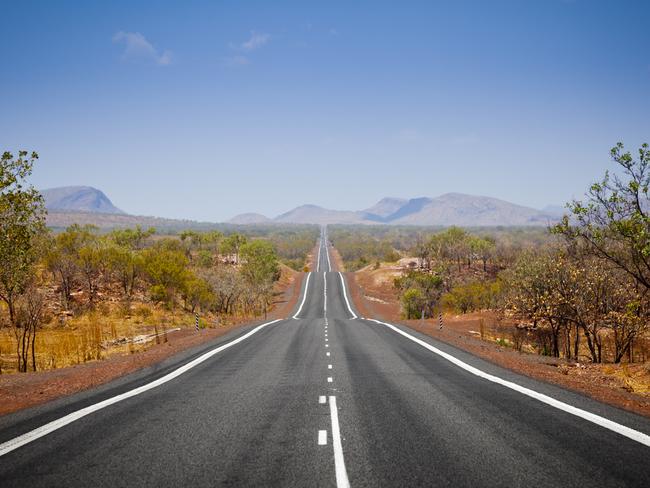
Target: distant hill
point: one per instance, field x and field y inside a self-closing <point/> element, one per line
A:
<point x="79" y="199"/>
<point x="467" y="210"/>
<point x="384" y="207"/>
<point x="313" y="214"/>
<point x="250" y="218"/>
<point x="445" y="210"/>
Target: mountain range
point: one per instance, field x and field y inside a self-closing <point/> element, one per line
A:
<point x="444" y="210"/>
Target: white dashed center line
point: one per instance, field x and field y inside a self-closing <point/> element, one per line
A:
<point x="322" y="437"/>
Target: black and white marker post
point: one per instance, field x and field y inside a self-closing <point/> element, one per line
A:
<point x="196" y="321"/>
<point x="440" y="320"/>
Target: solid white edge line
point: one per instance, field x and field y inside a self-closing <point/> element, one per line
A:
<point x="32" y="435"/>
<point x="304" y="297"/>
<point x="320" y="245"/>
<point x="327" y="254"/>
<point x="339" y="462"/>
<point x="324" y="293"/>
<point x="635" y="435"/>
<point x="345" y="295"/>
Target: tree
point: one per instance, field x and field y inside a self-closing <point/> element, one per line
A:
<point x="22" y="223"/>
<point x="533" y="283"/>
<point x="614" y="223"/>
<point x="233" y="243"/>
<point x="483" y="248"/>
<point x="455" y="245"/>
<point x="63" y="258"/>
<point x="422" y="289"/>
<point x="28" y="318"/>
<point x="92" y="262"/>
<point x="413" y="303"/>
<point x="196" y="292"/>
<point x="260" y="269"/>
<point x="260" y="262"/>
<point x="227" y="286"/>
<point x="125" y="265"/>
<point x="133" y="239"/>
<point x="167" y="270"/>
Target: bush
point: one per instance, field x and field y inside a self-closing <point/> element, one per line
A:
<point x="413" y="302"/>
<point x="478" y="295"/>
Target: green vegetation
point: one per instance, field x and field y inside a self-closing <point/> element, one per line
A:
<point x="21" y="227"/>
<point x="585" y="282"/>
<point x="358" y="249"/>
<point x="420" y="293"/>
<point x="87" y="277"/>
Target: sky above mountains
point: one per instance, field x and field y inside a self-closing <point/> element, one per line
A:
<point x="205" y="110"/>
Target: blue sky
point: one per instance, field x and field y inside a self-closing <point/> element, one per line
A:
<point x="204" y="110"/>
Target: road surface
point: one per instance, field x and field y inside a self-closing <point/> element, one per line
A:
<point x="324" y="398"/>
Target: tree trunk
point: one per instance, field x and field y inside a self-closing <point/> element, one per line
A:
<point x="34" y="347"/>
<point x="592" y="347"/>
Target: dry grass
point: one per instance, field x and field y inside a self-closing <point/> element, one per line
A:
<point x="111" y="328"/>
<point x="96" y="335"/>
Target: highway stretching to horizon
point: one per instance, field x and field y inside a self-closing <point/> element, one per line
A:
<point x="325" y="397"/>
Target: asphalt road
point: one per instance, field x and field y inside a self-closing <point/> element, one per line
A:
<point x="318" y="400"/>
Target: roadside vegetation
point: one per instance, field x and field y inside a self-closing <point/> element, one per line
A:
<point x="79" y="294"/>
<point x="577" y="290"/>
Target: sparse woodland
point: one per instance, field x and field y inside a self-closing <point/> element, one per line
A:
<point x="72" y="296"/>
<point x="577" y="290"/>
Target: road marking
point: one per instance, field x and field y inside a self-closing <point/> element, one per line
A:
<point x="329" y="366"/>
<point x="32" y="435"/>
<point x="339" y="462"/>
<point x="321" y="399"/>
<point x="320" y="245"/>
<point x="327" y="353"/>
<point x="329" y="379"/>
<point x="326" y="339"/>
<point x="327" y="254"/>
<point x="303" y="298"/>
<point x="345" y="295"/>
<point x="324" y="294"/>
<point x="635" y="435"/>
<point x="327" y="345"/>
<point x="322" y="437"/>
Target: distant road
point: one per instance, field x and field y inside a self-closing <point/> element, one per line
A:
<point x="325" y="399"/>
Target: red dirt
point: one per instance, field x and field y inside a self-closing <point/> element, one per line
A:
<point x="335" y="260"/>
<point x="18" y="391"/>
<point x="588" y="379"/>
